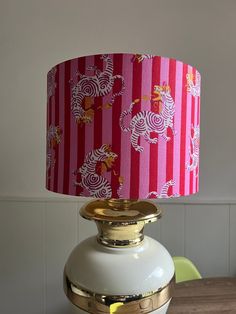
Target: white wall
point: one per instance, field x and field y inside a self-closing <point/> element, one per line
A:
<point x="36" y="34"/>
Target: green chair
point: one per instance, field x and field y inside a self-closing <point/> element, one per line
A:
<point x="185" y="270"/>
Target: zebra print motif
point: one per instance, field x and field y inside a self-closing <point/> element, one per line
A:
<point x="145" y="122"/>
<point x="50" y="161"/>
<point x="164" y="191"/>
<point x="53" y="135"/>
<point x="53" y="139"/>
<point x="93" y="86"/>
<point x="193" y="89"/>
<point x="194" y="150"/>
<point x="51" y="84"/>
<point x="95" y="184"/>
<point x="139" y="58"/>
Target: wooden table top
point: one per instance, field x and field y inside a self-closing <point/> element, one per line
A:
<point x="208" y="295"/>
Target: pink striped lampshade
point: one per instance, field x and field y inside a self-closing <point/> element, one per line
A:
<point x="123" y="126"/>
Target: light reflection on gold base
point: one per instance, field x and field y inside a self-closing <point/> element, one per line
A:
<point x="120" y="222"/>
<point x="132" y="304"/>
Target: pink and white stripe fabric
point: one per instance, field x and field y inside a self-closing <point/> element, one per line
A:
<point x="123" y="126"/>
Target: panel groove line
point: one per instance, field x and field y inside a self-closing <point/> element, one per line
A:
<point x="184" y="229"/>
<point x="45" y="260"/>
<point x="232" y="241"/>
<point x="229" y="242"/>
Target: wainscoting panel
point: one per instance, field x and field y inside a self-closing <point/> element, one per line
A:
<point x="36" y="237"/>
<point x="153" y="230"/>
<point x="22" y="258"/>
<point x="173" y="228"/>
<point x="86" y="228"/>
<point x="60" y="239"/>
<point x="207" y="238"/>
<point x="232" y="240"/>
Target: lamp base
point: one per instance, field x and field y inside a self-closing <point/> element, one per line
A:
<point x="140" y="277"/>
<point x="120" y="270"/>
<point x="161" y="310"/>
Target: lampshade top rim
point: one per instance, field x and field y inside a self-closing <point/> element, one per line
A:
<point x="123" y="53"/>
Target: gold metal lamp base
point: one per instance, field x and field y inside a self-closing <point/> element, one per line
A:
<point x="120" y="223"/>
<point x="120" y="228"/>
<point x="130" y="304"/>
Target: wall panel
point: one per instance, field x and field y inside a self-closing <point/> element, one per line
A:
<point x="60" y="239"/>
<point x="22" y="261"/>
<point x="173" y="228"/>
<point x="207" y="238"/>
<point x="232" y="241"/>
<point x="86" y="228"/>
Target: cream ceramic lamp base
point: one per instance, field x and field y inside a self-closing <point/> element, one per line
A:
<point x="116" y="267"/>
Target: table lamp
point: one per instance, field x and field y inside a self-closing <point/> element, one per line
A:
<point x="122" y="128"/>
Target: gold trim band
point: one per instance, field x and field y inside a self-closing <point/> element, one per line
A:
<point x="131" y="304"/>
<point x="120" y="223"/>
<point x="126" y="235"/>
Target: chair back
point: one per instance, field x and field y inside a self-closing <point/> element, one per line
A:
<point x="185" y="270"/>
